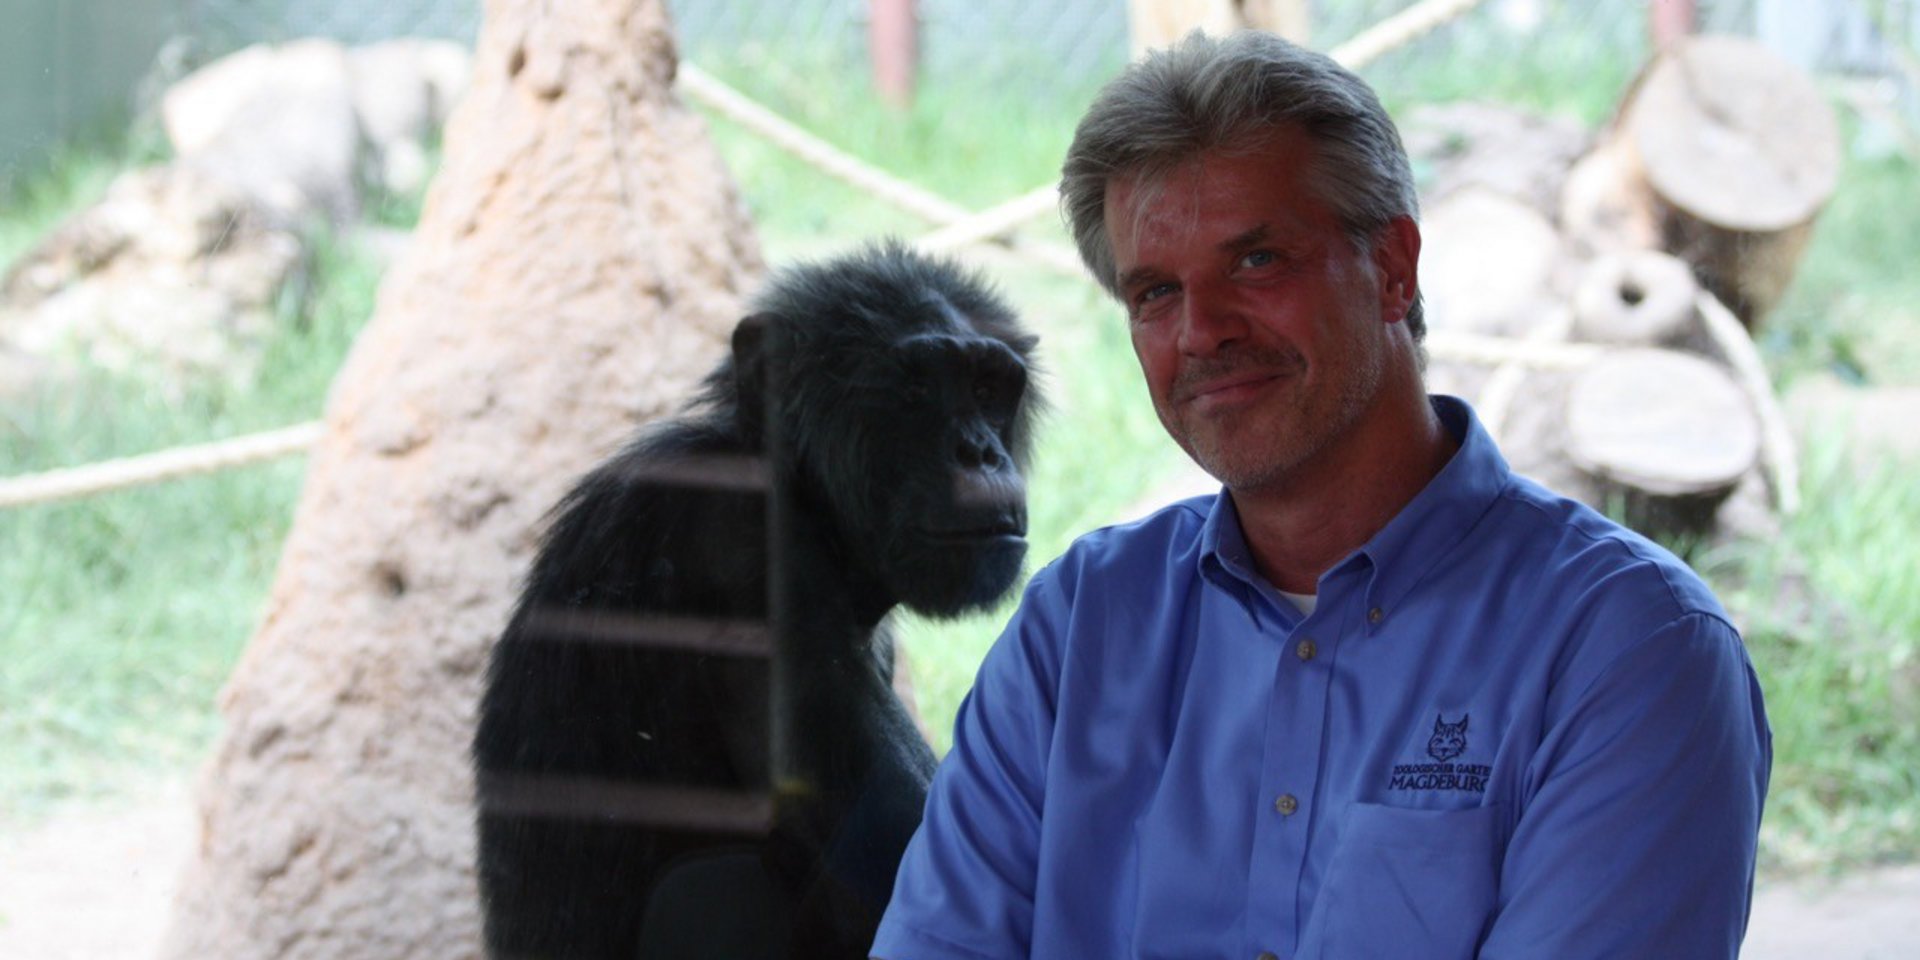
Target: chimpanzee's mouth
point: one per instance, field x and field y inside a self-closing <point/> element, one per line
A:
<point x="997" y="528"/>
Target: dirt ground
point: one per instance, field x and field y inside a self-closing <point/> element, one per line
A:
<point x="95" y="884"/>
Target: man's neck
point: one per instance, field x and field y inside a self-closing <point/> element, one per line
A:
<point x="1299" y="528"/>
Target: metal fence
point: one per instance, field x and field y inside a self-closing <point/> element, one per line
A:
<point x="1065" y="46"/>
<point x="1040" y="50"/>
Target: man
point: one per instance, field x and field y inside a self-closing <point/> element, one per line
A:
<point x="1380" y="698"/>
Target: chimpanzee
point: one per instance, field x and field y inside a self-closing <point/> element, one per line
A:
<point x="689" y="745"/>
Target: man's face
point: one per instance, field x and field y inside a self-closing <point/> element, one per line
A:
<point x="1264" y="335"/>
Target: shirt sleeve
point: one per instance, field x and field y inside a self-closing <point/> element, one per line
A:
<point x="1640" y="833"/>
<point x="966" y="883"/>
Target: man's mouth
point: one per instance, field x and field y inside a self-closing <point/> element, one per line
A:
<point x="1230" y="390"/>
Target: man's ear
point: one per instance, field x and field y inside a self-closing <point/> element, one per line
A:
<point x="1396" y="255"/>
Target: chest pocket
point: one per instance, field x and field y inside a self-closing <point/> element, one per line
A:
<point x="1406" y="883"/>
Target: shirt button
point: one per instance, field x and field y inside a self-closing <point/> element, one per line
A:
<point x="1266" y="956"/>
<point x="1306" y="649"/>
<point x="1376" y="615"/>
<point x="1286" y="804"/>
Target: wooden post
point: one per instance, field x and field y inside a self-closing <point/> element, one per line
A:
<point x="1672" y="21"/>
<point x="893" y="43"/>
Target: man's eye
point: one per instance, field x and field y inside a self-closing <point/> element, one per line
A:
<point x="1259" y="258"/>
<point x="1154" y="292"/>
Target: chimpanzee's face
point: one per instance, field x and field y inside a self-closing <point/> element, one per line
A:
<point x="939" y="417"/>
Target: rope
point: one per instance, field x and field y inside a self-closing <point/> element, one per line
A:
<point x="996" y="220"/>
<point x="1497" y="351"/>
<point x="1496" y="398"/>
<point x="960" y="227"/>
<point x="1779" y="455"/>
<point x="1402" y="28"/>
<point x="1399" y="30"/>
<point x="964" y="225"/>
<point x="823" y="156"/>
<point x="172" y="464"/>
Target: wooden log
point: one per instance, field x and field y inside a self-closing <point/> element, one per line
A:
<point x="1666" y="435"/>
<point x="1601" y="210"/>
<point x="1737" y="153"/>
<point x="1644" y="298"/>
<point x="1487" y="263"/>
<point x="1466" y="143"/>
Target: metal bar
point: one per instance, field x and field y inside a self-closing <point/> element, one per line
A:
<point x="630" y="804"/>
<point x="721" y="637"/>
<point x="706" y="471"/>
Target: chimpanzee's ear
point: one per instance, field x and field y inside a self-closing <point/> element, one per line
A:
<point x="753" y="341"/>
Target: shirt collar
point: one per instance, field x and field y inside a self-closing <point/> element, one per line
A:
<point x="1419" y="536"/>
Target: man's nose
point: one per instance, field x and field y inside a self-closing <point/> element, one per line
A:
<point x="1208" y="321"/>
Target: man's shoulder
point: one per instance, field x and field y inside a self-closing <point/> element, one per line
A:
<point x="1580" y="553"/>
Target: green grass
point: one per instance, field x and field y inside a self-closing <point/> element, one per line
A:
<point x="1854" y="307"/>
<point x="1832" y="606"/>
<point x="1576" y="66"/>
<point x="36" y="199"/>
<point x="121" y="614"/>
<point x="1832" y="622"/>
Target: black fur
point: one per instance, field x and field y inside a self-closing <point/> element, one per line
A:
<point x="889" y="394"/>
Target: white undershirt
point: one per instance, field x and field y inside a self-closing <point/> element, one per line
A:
<point x="1304" y="601"/>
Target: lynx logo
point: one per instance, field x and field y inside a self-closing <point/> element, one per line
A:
<point x="1449" y="741"/>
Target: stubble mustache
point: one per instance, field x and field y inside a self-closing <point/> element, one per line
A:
<point x="1198" y="374"/>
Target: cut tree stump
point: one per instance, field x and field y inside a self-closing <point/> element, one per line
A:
<point x="1487" y="265"/>
<point x="1733" y="152"/>
<point x="1666" y="434"/>
<point x="1644" y="298"/>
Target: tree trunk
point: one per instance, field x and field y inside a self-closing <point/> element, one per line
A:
<point x="1644" y="298"/>
<point x="1488" y="263"/>
<point x="578" y="266"/>
<point x="1667" y="434"/>
<point x="1734" y="153"/>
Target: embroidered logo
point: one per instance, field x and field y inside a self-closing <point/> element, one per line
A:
<point x="1448" y="742"/>
<point x="1449" y="739"/>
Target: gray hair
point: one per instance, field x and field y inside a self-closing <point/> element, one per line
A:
<point x="1205" y="94"/>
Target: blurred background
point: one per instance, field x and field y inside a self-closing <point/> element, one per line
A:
<point x="122" y="612"/>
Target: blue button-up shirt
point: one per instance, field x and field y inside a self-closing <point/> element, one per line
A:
<point x="1510" y="728"/>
